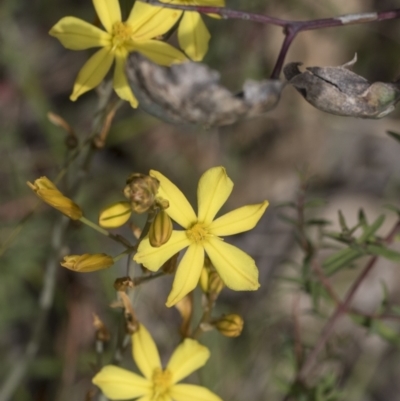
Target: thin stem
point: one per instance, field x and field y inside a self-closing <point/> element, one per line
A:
<point x="291" y="28"/>
<point x="340" y="310"/>
<point x="18" y="371"/>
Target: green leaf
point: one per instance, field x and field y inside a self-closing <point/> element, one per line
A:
<point x="286" y="204"/>
<point x="288" y="219"/>
<point x="386" y="332"/>
<point x="380" y="250"/>
<point x="369" y="231"/>
<point x="318" y="222"/>
<point x="394" y="135"/>
<point x="341" y="259"/>
<point x="342" y="222"/>
<point x="317" y="202"/>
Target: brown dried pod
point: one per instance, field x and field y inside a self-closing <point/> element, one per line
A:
<point x="337" y="90"/>
<point x="190" y="93"/>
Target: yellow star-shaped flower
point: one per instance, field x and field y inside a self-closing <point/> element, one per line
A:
<point x="144" y="23"/>
<point x="157" y="384"/>
<point x="193" y="34"/>
<point x="202" y="234"/>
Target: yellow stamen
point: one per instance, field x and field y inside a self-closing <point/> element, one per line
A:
<point x="161" y="383"/>
<point x="198" y="233"/>
<point x="121" y="34"/>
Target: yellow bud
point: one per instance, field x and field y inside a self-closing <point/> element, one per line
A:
<point x="49" y="193"/>
<point x="141" y="191"/>
<point x="160" y="230"/>
<point x="87" y="262"/>
<point x="115" y="215"/>
<point x="230" y="325"/>
<point x="204" y="279"/>
<point x="215" y="283"/>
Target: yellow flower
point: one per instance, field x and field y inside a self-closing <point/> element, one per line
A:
<point x="193" y="34"/>
<point x="144" y="23"/>
<point x="237" y="269"/>
<point x="87" y="262"/>
<point x="157" y="384"/>
<point x="49" y="193"/>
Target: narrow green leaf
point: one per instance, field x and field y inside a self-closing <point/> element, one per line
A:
<point x="318" y="222"/>
<point x="317" y="202"/>
<point x="369" y="231"/>
<point x="380" y="250"/>
<point x="341" y="259"/>
<point x="394" y="135"/>
<point x="342" y="221"/>
<point x="288" y="219"/>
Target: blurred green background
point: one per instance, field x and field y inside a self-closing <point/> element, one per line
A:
<point x="353" y="164"/>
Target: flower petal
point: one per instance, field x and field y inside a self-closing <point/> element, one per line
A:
<point x="108" y="12"/>
<point x="153" y="258"/>
<point x="239" y="220"/>
<point x="76" y="34"/>
<point x="184" y="392"/>
<point x="187" y="357"/>
<point x="148" y="22"/>
<point x="93" y="72"/>
<point x="120" y="384"/>
<point x="121" y="85"/>
<point x="188" y="274"/>
<point x="145" y="352"/>
<point x="237" y="269"/>
<point x="212" y="192"/>
<point x="179" y="207"/>
<point x="160" y="52"/>
<point x="193" y="35"/>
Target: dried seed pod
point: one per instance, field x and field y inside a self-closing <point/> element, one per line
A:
<point x="337" y="90"/>
<point x="141" y="191"/>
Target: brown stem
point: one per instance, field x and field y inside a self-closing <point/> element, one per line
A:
<point x="291" y="28"/>
<point x="340" y="310"/>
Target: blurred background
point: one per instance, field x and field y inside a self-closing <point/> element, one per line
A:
<point x="353" y="163"/>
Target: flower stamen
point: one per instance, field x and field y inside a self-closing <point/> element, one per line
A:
<point x="121" y="34"/>
<point x="198" y="233"/>
<point x="161" y="383"/>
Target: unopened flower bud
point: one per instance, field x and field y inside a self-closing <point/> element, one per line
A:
<point x="169" y="267"/>
<point x="215" y="283"/>
<point x="87" y="262"/>
<point x="160" y="230"/>
<point x="115" y="215"/>
<point x="49" y="193"/>
<point x="141" y="191"/>
<point x="230" y="325"/>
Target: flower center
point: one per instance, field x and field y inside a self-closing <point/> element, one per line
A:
<point x="198" y="233"/>
<point x="161" y="383"/>
<point x="121" y="34"/>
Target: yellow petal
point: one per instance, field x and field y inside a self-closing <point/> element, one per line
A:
<point x="108" y="12"/>
<point x="239" y="220"/>
<point x="93" y="72"/>
<point x="160" y="52"/>
<point x="75" y="34"/>
<point x="188" y="274"/>
<point x="179" y="207"/>
<point x="185" y="392"/>
<point x="121" y="85"/>
<point x="212" y="192"/>
<point x="237" y="269"/>
<point x="115" y="215"/>
<point x="120" y="384"/>
<point x="145" y="352"/>
<point x="153" y="258"/>
<point x="187" y="357"/>
<point x="193" y="35"/>
<point x="148" y="22"/>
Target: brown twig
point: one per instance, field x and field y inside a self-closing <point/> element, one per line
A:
<point x="290" y="28"/>
<point x="340" y="310"/>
